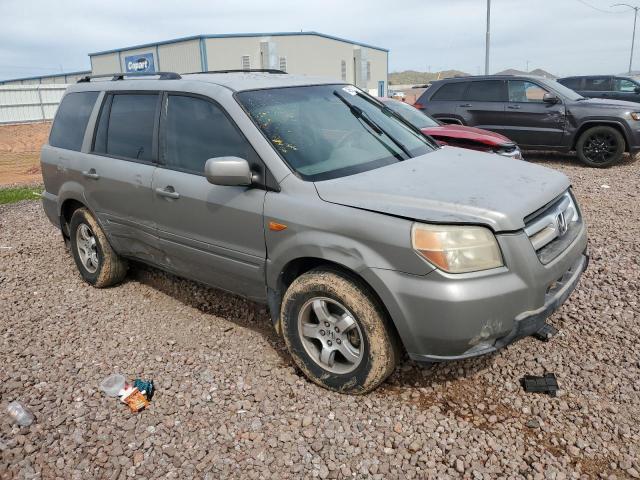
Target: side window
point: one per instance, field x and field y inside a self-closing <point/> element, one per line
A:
<point x="597" y="84"/>
<point x="195" y="130"/>
<point x="126" y="126"/>
<point x="523" y="91"/>
<point x="486" y="91"/>
<point x="624" y="85"/>
<point x="572" y="83"/>
<point x="450" y="91"/>
<point x="71" y="120"/>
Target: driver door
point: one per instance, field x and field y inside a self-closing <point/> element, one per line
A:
<point x="210" y="233"/>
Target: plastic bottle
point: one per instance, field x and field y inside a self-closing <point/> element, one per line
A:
<point x="20" y="414"/>
<point x="113" y="384"/>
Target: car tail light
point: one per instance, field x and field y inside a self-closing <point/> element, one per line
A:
<point x="419" y="106"/>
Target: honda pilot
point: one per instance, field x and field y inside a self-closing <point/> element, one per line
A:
<point x="366" y="239"/>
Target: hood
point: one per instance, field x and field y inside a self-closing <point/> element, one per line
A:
<point x="485" y="137"/>
<point x="451" y="185"/>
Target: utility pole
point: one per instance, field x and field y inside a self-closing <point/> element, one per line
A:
<point x="487" y="41"/>
<point x="633" y="38"/>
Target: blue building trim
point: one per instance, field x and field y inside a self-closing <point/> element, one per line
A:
<point x="238" y="35"/>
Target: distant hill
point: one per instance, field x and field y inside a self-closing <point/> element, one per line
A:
<point x="412" y="77"/>
<point x="537" y="72"/>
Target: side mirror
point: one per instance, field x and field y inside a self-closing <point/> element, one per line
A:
<point x="637" y="89"/>
<point x="550" y="98"/>
<point x="228" y="171"/>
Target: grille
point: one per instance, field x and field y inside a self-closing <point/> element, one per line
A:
<point x="553" y="228"/>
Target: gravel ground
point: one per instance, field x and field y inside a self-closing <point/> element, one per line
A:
<point x="230" y="403"/>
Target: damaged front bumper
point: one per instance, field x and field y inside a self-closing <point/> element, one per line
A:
<point x="527" y="323"/>
<point x="442" y="316"/>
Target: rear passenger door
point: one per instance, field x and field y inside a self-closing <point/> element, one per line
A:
<point x="484" y="104"/>
<point x="528" y="120"/>
<point x="210" y="233"/>
<point x="118" y="170"/>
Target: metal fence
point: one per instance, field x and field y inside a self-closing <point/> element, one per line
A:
<point x="29" y="103"/>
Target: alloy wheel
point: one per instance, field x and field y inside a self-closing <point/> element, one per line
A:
<point x="87" y="248"/>
<point x="600" y="147"/>
<point x="330" y="335"/>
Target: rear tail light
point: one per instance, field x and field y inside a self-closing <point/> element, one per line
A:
<point x="419" y="106"/>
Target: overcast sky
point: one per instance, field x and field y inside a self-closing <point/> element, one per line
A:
<point x="565" y="37"/>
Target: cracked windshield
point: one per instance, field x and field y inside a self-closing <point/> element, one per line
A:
<point x="329" y="131"/>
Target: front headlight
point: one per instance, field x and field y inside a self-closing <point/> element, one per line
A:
<point x="635" y="115"/>
<point x="457" y="249"/>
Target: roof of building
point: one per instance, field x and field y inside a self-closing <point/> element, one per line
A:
<point x="35" y="77"/>
<point x="236" y="35"/>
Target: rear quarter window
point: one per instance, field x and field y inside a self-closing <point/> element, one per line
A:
<point x="71" y="120"/>
<point x="450" y="91"/>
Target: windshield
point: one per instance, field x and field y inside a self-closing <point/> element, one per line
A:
<point x="411" y="114"/>
<point x="562" y="90"/>
<point x="329" y="131"/>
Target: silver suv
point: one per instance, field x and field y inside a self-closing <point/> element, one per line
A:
<point x="365" y="238"/>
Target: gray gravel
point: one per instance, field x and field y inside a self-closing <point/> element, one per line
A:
<point x="230" y="403"/>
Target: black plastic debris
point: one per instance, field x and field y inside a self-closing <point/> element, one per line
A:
<point x="546" y="332"/>
<point x="545" y="384"/>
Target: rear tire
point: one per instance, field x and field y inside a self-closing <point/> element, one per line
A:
<point x="600" y="146"/>
<point x="98" y="264"/>
<point x="337" y="332"/>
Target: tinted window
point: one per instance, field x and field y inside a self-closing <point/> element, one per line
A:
<point x="523" y="91"/>
<point x="624" y="85"/>
<point x="71" y="120"/>
<point x="450" y="91"/>
<point x="126" y="126"/>
<point x="572" y="83"/>
<point x="597" y="84"/>
<point x="486" y="91"/>
<point x="196" y="130"/>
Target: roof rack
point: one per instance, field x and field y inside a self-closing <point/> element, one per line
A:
<point x="121" y="76"/>
<point x="249" y="70"/>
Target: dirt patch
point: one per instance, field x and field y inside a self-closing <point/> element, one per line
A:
<point x="20" y="152"/>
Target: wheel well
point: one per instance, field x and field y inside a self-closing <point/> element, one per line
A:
<point x="587" y="126"/>
<point x="66" y="212"/>
<point x="300" y="266"/>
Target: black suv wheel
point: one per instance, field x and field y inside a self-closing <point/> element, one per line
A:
<point x="600" y="146"/>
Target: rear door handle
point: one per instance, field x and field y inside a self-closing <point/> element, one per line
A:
<point x="91" y="173"/>
<point x="513" y="107"/>
<point x="466" y="105"/>
<point x="167" y="191"/>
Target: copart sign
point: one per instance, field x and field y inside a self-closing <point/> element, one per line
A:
<point x="142" y="62"/>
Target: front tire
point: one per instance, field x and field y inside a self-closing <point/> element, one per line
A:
<point x="337" y="333"/>
<point x="600" y="146"/>
<point x="98" y="264"/>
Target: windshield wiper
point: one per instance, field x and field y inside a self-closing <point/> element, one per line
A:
<point x="362" y="115"/>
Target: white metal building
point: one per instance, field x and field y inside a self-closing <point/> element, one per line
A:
<point x="57" y="78"/>
<point x="308" y="53"/>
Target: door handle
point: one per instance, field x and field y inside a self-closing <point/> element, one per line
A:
<point x="91" y="173"/>
<point x="466" y="105"/>
<point x="167" y="192"/>
<point x="513" y="107"/>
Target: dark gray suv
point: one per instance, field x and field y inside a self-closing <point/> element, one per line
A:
<point x="604" y="86"/>
<point x="365" y="238"/>
<point x="538" y="113"/>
